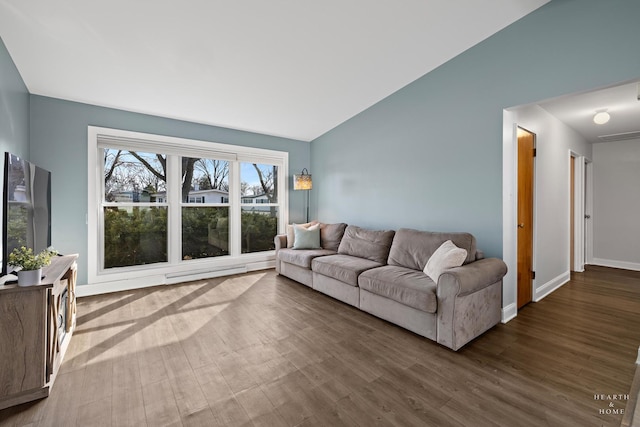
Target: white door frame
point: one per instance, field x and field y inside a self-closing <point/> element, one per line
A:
<point x="588" y="206"/>
<point x="509" y="214"/>
<point x="583" y="191"/>
<point x="579" y="194"/>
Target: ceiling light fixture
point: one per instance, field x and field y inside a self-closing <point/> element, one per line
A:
<point x="601" y="117"/>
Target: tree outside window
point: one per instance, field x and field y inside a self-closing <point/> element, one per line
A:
<point x="259" y="206"/>
<point x="135" y="230"/>
<point x="205" y="209"/>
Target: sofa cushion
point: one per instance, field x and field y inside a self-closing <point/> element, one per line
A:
<point x="306" y="238"/>
<point x="413" y="248"/>
<point x="331" y="235"/>
<point x="446" y="256"/>
<point x="344" y="268"/>
<point x="369" y="244"/>
<point x="404" y="285"/>
<point x="302" y="258"/>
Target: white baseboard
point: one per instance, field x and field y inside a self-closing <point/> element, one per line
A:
<point x="119" y="285"/>
<point x="509" y="312"/>
<point x="166" y="279"/>
<point x="172" y="279"/>
<point x="544" y="290"/>
<point x="616" y="264"/>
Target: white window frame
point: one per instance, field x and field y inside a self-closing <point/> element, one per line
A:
<point x="176" y="269"/>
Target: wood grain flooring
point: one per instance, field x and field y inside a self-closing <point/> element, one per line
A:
<point x="261" y="350"/>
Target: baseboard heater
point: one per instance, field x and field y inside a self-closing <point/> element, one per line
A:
<point x="187" y="276"/>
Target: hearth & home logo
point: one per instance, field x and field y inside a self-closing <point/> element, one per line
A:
<point x="611" y="401"/>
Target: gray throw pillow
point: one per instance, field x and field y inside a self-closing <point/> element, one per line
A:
<point x="373" y="245"/>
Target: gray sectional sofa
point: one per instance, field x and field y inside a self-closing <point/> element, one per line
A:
<point x="381" y="272"/>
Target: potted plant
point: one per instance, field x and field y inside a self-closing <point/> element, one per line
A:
<point x="30" y="264"/>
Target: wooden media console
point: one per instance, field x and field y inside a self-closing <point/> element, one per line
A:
<point x="36" y="325"/>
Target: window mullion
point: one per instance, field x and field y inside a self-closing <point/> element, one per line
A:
<point x="283" y="197"/>
<point x="234" y="208"/>
<point x="174" y="198"/>
<point x="100" y="211"/>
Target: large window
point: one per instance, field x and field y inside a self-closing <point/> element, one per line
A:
<point x="175" y="205"/>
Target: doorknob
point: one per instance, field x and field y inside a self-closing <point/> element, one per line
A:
<point x="521" y="225"/>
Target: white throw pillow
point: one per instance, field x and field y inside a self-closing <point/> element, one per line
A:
<point x="446" y="256"/>
<point x="291" y="237"/>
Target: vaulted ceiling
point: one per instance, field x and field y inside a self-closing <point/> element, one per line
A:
<point x="287" y="68"/>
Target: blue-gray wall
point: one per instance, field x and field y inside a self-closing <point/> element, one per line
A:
<point x="59" y="144"/>
<point x="430" y="155"/>
<point x="14" y="108"/>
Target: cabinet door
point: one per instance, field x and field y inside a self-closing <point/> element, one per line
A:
<point x="22" y="334"/>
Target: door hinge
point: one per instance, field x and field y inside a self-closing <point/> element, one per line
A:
<point x="533" y="275"/>
<point x="535" y="152"/>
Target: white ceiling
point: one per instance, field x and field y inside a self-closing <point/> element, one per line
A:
<point x="286" y="68"/>
<point x="577" y="111"/>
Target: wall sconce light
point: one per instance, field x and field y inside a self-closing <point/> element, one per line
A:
<point x="303" y="181"/>
<point x="601" y="117"/>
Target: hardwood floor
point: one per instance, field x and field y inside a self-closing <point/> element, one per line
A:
<point x="260" y="349"/>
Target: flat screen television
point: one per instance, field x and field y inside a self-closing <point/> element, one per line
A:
<point x="27" y="207"/>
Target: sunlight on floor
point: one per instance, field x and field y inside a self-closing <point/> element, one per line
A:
<point x="160" y="317"/>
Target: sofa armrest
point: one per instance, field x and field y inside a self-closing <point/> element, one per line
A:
<point x="472" y="277"/>
<point x="281" y="241"/>
<point x="469" y="301"/>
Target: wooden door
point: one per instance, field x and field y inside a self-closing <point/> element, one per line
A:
<point x="526" y="153"/>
